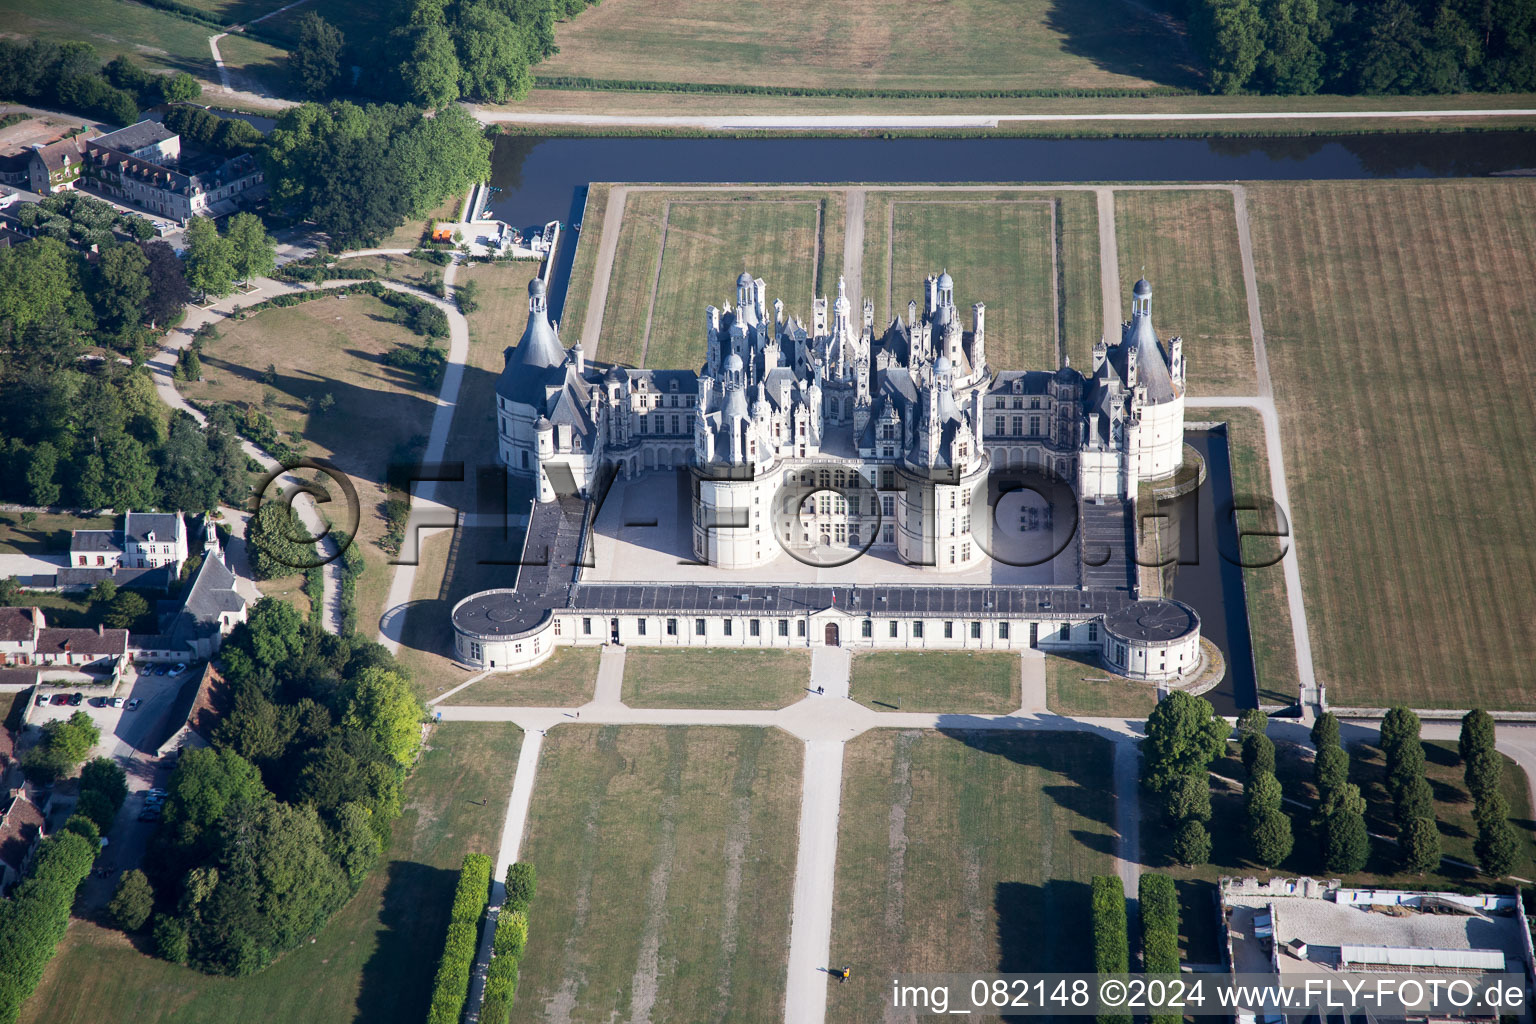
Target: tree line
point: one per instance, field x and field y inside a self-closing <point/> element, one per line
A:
<point x="441" y="51"/>
<point x="1296" y="47"/>
<point x="273" y="827"/>
<point x="1185" y="737"/>
<point x="70" y="76"/>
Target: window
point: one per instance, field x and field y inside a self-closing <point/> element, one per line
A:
<point x="675" y="428"/>
<point x="640" y="627"/>
<point x="101" y="560"/>
<point x="1093" y="632"/>
<point x="586" y="627"/>
<point x="890" y="534"/>
<point x="517" y="648"/>
<point x="474" y="651"/>
<point x="949" y="630"/>
<point x="888" y="505"/>
<point x="1002" y="631"/>
<point x="698" y="627"/>
<point x="1066" y="631"/>
<point x="1034" y="425"/>
<point x="800" y="627"/>
<point x="754" y="627"/>
<point x="783" y="627"/>
<point x="1034" y="634"/>
<point x="975" y="631"/>
<point x="1018" y="425"/>
<point x="917" y="629"/>
<point x="671" y="627"/>
<point x="999" y="422"/>
<point x="557" y="627"/>
<point x="727" y="627"/>
<point x="868" y="629"/>
<point x="893" y="628"/>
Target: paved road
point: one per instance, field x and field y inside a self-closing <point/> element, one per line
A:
<point x="853" y="253"/>
<point x="859" y="122"/>
<point x="1109" y="265"/>
<point x="597" y="298"/>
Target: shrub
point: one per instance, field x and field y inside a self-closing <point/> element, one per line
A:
<point x="1111" y="944"/>
<point x="1262" y="793"/>
<point x="1192" y="843"/>
<point x="1477" y="733"/>
<point x="1325" y="731"/>
<point x="1269" y="837"/>
<point x="451" y="986"/>
<point x="81" y="825"/>
<point x="1188" y="796"/>
<point x="511" y="934"/>
<point x="1346" y="844"/>
<point x="1159" y="931"/>
<point x="134" y="901"/>
<point x="1330" y="770"/>
<point x="1496" y="847"/>
<point x="1484" y="772"/>
<point x="522" y="883"/>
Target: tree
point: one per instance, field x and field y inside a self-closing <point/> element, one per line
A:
<point x="1192" y="843"/>
<point x="41" y="471"/>
<point x="254" y="251"/>
<point x="352" y="844"/>
<point x="103" y="592"/>
<point x="1229" y="34"/>
<point x="1184" y="735"/>
<point x="122" y="288"/>
<point x="316" y="62"/>
<point x="180" y="88"/>
<point x="1258" y="753"/>
<point x="127" y="608"/>
<point x="210" y="259"/>
<point x="1262" y="793"/>
<point x="188" y="479"/>
<point x="384" y="705"/>
<point x="206" y="784"/>
<point x="1292" y="61"/>
<point x="521" y="883"/>
<point x="279" y="544"/>
<point x="1187" y="797"/>
<point x="10" y="592"/>
<point x="167" y="280"/>
<point x="273" y="633"/>
<point x="1477" y="733"/>
<point x="1252" y="721"/>
<point x="431" y="73"/>
<point x="1270" y="838"/>
<point x="170" y="938"/>
<point x="1415" y="799"/>
<point x="105" y="776"/>
<point x="134" y="901"/>
<point x="1398" y="727"/>
<point x="1341" y="822"/>
<point x="1330" y="769"/>
<point x="494" y="61"/>
<point x="1419" y="845"/>
<point x="65" y="743"/>
<point x="1496" y="847"/>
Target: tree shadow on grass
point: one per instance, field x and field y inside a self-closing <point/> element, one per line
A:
<point x="1126" y="38"/>
<point x="397" y="979"/>
<point x="1082" y="759"/>
<point x="1026" y="912"/>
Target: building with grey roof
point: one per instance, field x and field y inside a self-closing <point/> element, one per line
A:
<point x="825" y="442"/>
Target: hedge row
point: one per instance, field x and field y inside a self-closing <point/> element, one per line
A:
<point x="352" y="566"/>
<point x="1111" y="941"/>
<point x="315" y="273"/>
<point x="508" y="945"/>
<point x="451" y="986"/>
<point x="35" y="917"/>
<point x="314" y="589"/>
<point x="1159" y="932"/>
<point x="629" y="85"/>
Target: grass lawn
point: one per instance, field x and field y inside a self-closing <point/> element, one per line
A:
<point x="255" y="65"/>
<point x="567" y="679"/>
<point x="959" y="851"/>
<point x="874" y="44"/>
<point x="943" y="681"/>
<point x="1269" y="613"/>
<point x="578" y="290"/>
<point x="374" y="961"/>
<point x="1079" y="688"/>
<point x="329" y="346"/>
<point x="1453" y="807"/>
<point x="48" y="534"/>
<point x="455" y="564"/>
<point x="1417" y="532"/>
<point x="1082" y="304"/>
<point x="679" y="252"/>
<point x="156" y="38"/>
<point x="999" y="248"/>
<point x="1187" y="241"/>
<point x="236" y="12"/>
<point x="749" y="679"/>
<point x="666" y="859"/>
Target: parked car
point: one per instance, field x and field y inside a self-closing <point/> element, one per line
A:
<point x="116" y="702"/>
<point x="133" y="705"/>
<point x="76" y="699"/>
<point x="42" y="699"/>
<point x="150" y="814"/>
<point x="60" y="698"/>
<point x="162" y="670"/>
<point x="179" y="668"/>
<point x="154" y="802"/>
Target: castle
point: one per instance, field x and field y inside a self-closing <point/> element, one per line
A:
<point x="828" y="441"/>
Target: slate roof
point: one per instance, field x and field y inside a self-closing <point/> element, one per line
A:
<point x="53" y="155"/>
<point x="96" y="540"/>
<point x="22" y="828"/>
<point x="19" y="624"/>
<point x="135" y="137"/>
<point x="1153" y="621"/>
<point x="137" y="526"/>
<point x="102" y="641"/>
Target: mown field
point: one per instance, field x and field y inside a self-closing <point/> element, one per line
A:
<point x="746" y="679"/>
<point x="666" y="858"/>
<point x="1074" y="687"/>
<point x="373" y="962"/>
<point x="1398" y="323"/>
<point x="567" y="679"/>
<point x="1185" y="242"/>
<point x="874" y="44"/>
<point x="157" y="39"/>
<point x="959" y="851"/>
<point x="998" y="248"/>
<point x="680" y="252"/>
<point x="957" y="682"/>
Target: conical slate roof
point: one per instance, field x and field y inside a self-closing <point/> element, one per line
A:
<point x="534" y="363"/>
<point x="1151" y="368"/>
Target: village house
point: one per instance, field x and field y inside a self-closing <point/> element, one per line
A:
<point x="21" y="829"/>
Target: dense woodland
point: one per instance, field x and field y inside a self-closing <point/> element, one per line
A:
<point x="1295" y="47"/>
<point x="435" y="51"/>
<point x="271" y="829"/>
<point x="70" y="76"/>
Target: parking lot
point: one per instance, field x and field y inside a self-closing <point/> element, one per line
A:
<point x="137" y="727"/>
